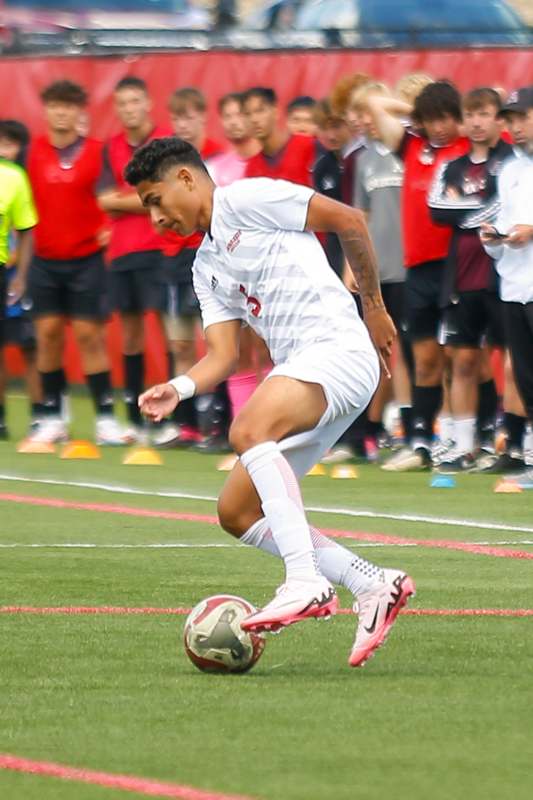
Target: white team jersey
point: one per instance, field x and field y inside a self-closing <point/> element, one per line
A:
<point x="257" y="264"/>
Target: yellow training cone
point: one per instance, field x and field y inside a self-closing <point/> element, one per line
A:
<point x="29" y="446"/>
<point x="142" y="456"/>
<point x="79" y="448"/>
<point x="318" y="469"/>
<point x="227" y="463"/>
<point x="506" y="487"/>
<point x="344" y="472"/>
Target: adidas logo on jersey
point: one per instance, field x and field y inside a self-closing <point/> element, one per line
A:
<point x="214" y="282"/>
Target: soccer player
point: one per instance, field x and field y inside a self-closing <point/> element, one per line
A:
<point x="510" y="242"/>
<point x="260" y="263"/>
<point x="437" y="110"/>
<point x="135" y="274"/>
<point x="231" y="165"/>
<point x="17" y="213"/>
<point x="283" y="155"/>
<point x="300" y="116"/>
<point x="67" y="276"/>
<point x="462" y="194"/>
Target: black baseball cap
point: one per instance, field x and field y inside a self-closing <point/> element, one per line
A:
<point x="520" y="101"/>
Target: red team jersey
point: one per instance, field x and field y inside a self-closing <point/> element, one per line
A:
<point x="423" y="240"/>
<point x="70" y="220"/>
<point x="294" y="162"/>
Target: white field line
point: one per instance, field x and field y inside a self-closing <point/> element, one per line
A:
<point x="186" y="546"/>
<point x="348" y="512"/>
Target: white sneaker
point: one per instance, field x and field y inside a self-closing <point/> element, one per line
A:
<point x="338" y="454"/>
<point x="112" y="433"/>
<point x="408" y="460"/>
<point x="441" y="450"/>
<point x="50" y="430"/>
<point x="295" y="600"/>
<point x="377" y="609"/>
<point x="165" y="435"/>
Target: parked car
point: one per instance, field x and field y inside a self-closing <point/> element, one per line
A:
<point x="397" y="23"/>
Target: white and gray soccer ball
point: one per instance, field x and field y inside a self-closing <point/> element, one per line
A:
<point x="213" y="637"/>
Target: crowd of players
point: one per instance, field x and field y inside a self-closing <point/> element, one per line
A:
<point x="455" y="256"/>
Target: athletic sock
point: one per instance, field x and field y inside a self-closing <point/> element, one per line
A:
<point x="171" y="365"/>
<point x="446" y="429"/>
<point x="2" y="414"/>
<point x="53" y="384"/>
<point x="406" y="414"/>
<point x="339" y="565"/>
<point x="101" y="392"/>
<point x="486" y="414"/>
<point x="133" y="386"/>
<point x="185" y="413"/>
<point x="426" y="403"/>
<point x="515" y="427"/>
<point x="36" y="411"/>
<point x="277" y="486"/>
<point x="374" y="429"/>
<point x="464" y="432"/>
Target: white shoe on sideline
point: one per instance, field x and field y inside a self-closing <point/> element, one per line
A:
<point x="110" y="432"/>
<point x="377" y="609"/>
<point x="50" y="430"/>
<point x="165" y="435"/>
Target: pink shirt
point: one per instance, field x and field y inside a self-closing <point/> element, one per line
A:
<point x="227" y="168"/>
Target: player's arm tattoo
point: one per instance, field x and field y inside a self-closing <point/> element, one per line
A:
<point x="361" y="257"/>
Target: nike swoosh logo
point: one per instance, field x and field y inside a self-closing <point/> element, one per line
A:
<point x="372" y="627"/>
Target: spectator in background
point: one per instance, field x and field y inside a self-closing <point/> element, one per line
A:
<point x="17" y="213"/>
<point x="19" y="329"/>
<point x="409" y="86"/>
<point x="437" y="113"/>
<point x="461" y="197"/>
<point x="510" y="242"/>
<point x="378" y="186"/>
<point x="231" y="165"/>
<point x="67" y="277"/>
<point x="188" y="116"/>
<point x="283" y="155"/>
<point x="134" y="253"/>
<point x="340" y="97"/>
<point x="300" y="116"/>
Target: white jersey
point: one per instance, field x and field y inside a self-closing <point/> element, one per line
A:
<point x="257" y="264"/>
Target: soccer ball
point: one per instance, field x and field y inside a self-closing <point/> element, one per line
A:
<point x="213" y="637"/>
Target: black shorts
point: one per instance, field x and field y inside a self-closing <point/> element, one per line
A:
<point x="180" y="297"/>
<point x="422" y="295"/>
<point x="476" y="318"/>
<point x="3" y="284"/>
<point x="20" y="331"/>
<point x="136" y="283"/>
<point x="394" y="299"/>
<point x="74" y="289"/>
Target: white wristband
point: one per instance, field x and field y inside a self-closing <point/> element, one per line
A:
<point x="184" y="386"/>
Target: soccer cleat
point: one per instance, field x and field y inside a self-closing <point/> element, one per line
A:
<point x="294" y="601"/>
<point x="109" y="432"/>
<point x="408" y="460"/>
<point x="508" y="462"/>
<point x="457" y="462"/>
<point x="188" y="436"/>
<point x="51" y="430"/>
<point x="338" y="454"/>
<point x="165" y="435"/>
<point x="441" y="450"/>
<point x="377" y="609"/>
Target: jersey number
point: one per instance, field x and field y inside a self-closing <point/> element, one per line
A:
<point x="251" y="301"/>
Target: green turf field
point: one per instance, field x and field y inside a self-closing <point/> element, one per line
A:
<point x="444" y="711"/>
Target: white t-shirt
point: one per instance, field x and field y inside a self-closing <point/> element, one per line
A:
<point x="257" y="264"/>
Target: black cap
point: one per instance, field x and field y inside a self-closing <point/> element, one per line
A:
<point x="520" y="101"/>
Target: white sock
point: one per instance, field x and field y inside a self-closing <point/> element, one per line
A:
<point x="338" y="564"/>
<point x="446" y="429"/>
<point x="465" y="430"/>
<point x="282" y="504"/>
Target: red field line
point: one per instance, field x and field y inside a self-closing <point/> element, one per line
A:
<point x="127" y="783"/>
<point x="109" y="508"/>
<point x="179" y="611"/>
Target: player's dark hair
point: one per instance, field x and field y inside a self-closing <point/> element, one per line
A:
<point x="437" y="100"/>
<point x="231" y="97"/>
<point x="483" y="96"/>
<point x="305" y="101"/>
<point x="65" y="91"/>
<point x="323" y="114"/>
<point x="17" y="132"/>
<point x="182" y="99"/>
<point x="131" y="82"/>
<point x="152" y="160"/>
<point x="264" y="93"/>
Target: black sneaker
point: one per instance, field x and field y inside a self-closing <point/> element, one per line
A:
<point x="513" y="461"/>
<point x="455" y="463"/>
